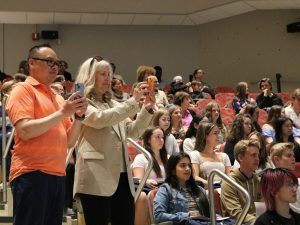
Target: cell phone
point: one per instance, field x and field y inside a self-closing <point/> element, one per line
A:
<point x="151" y="82"/>
<point x="79" y="87"/>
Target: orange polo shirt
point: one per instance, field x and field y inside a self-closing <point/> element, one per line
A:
<point x="47" y="152"/>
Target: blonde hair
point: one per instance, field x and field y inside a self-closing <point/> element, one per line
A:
<point x="278" y="149"/>
<point x="241" y="147"/>
<point x="86" y="75"/>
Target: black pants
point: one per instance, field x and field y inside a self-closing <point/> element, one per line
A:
<point x="38" y="199"/>
<point x="117" y="209"/>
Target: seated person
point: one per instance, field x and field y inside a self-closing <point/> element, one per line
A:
<point x="198" y="75"/>
<point x="293" y="112"/>
<point x="241" y="98"/>
<point x="282" y="156"/>
<point x="279" y="188"/>
<point x="178" y="85"/>
<point x="246" y="152"/>
<point x="204" y="158"/>
<point x="284" y="133"/>
<point x="266" y="99"/>
<point x="180" y="200"/>
<point x="189" y="141"/>
<point x="196" y="93"/>
<point x="153" y="141"/>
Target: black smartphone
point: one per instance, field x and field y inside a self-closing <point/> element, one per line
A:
<point x="79" y="87"/>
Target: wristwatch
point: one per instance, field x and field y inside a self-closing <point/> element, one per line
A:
<point x="80" y="118"/>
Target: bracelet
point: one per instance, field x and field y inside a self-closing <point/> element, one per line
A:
<point x="80" y="118"/>
<point x="151" y="111"/>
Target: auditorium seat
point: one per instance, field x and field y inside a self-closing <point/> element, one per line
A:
<point x="227" y="115"/>
<point x="223" y="89"/>
<point x="224" y="99"/>
<point x="254" y="95"/>
<point x="285" y="96"/>
<point x="297" y="169"/>
<point x="201" y="103"/>
<point x="263" y="116"/>
<point x="127" y="88"/>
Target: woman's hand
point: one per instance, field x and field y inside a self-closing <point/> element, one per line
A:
<point x="152" y="183"/>
<point x="139" y="91"/>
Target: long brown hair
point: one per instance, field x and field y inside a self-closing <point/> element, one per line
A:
<point x="202" y="133"/>
<point x="163" y="152"/>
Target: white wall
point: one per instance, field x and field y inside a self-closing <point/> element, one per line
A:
<point x="245" y="47"/>
<point x="249" y="47"/>
<point x="175" y="48"/>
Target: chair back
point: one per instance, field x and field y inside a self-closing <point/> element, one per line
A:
<point x="224" y="89"/>
<point x="224" y="99"/>
<point x="151" y="196"/>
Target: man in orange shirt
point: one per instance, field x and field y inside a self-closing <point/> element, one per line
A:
<point x="43" y="134"/>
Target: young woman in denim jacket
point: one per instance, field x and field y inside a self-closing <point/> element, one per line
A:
<point x="180" y="199"/>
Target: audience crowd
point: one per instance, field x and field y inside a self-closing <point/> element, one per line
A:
<point x="189" y="129"/>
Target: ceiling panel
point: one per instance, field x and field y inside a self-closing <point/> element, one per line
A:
<point x="171" y="20"/>
<point x="133" y="12"/>
<point x="145" y="19"/>
<point x="13" y="17"/>
<point x="119" y="19"/>
<point x="93" y="18"/>
<point x="236" y="8"/>
<point x="67" y="18"/>
<point x="40" y="18"/>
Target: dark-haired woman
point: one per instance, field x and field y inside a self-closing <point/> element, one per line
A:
<point x="190" y="136"/>
<point x="279" y="189"/>
<point x="153" y="141"/>
<point x="284" y="133"/>
<point x="241" y="128"/>
<point x="117" y="90"/>
<point x="253" y="111"/>
<point x="179" y="198"/>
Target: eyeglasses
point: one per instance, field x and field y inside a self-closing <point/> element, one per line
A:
<point x="98" y="58"/>
<point x="292" y="185"/>
<point x="50" y="62"/>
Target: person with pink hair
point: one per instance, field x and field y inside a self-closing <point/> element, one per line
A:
<point x="279" y="189"/>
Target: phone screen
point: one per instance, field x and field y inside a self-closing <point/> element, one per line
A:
<point x="79" y="87"/>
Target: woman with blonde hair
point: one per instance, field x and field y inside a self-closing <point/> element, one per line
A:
<point x="102" y="154"/>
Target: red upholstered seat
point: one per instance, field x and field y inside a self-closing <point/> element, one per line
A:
<point x="224" y="99"/>
<point x="285" y="96"/>
<point x="297" y="169"/>
<point x="228" y="116"/>
<point x="263" y="116"/>
<point x="223" y="89"/>
<point x="127" y="88"/>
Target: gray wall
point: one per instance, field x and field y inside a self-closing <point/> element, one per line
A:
<point x="249" y="47"/>
<point x="245" y="47"/>
<point x="175" y="48"/>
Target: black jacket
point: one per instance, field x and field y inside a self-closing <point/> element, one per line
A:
<point x="273" y="218"/>
<point x="267" y="102"/>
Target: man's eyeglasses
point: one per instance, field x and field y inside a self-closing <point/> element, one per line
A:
<point x="98" y="58"/>
<point x="50" y="62"/>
